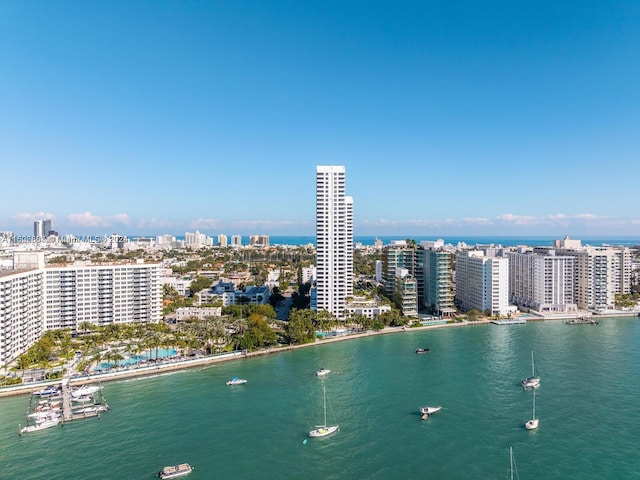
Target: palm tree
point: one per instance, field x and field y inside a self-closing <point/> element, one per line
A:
<point x="116" y="357"/>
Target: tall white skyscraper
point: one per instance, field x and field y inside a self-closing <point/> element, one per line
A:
<point x="334" y="241"/>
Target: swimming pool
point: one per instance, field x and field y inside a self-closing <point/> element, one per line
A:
<point x="152" y="354"/>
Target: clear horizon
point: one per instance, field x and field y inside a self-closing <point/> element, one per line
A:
<point x="465" y="118"/>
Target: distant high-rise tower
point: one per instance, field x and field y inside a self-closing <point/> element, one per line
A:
<point x="334" y="240"/>
<point x="41" y="229"/>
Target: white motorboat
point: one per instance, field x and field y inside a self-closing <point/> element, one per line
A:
<point x="48" y="391"/>
<point x="92" y="409"/>
<point x="533" y="381"/>
<point x="85" y="391"/>
<point x="533" y="423"/>
<point x="322" y="372"/>
<point x="51" y="420"/>
<point x="174" y="471"/>
<point x="324" y="429"/>
<point x="43" y="414"/>
<point x="429" y="410"/>
<point x="86" y="399"/>
<point x="236" y="381"/>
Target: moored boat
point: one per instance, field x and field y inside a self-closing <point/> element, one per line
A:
<point x="429" y="410"/>
<point x="324" y="429"/>
<point x="51" y="420"/>
<point x="48" y="391"/>
<point x="85" y="391"/>
<point x="236" y="381"/>
<point x="174" y="471"/>
<point x="533" y="381"/>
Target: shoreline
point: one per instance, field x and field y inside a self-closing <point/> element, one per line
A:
<point x="186" y="364"/>
<point x="177" y="365"/>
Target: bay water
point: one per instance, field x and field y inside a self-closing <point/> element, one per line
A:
<point x="587" y="405"/>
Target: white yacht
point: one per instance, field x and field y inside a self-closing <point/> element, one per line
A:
<point x="85" y="391"/>
<point x="50" y="420"/>
<point x="322" y="372"/>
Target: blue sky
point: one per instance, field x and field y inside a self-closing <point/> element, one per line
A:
<point x="451" y="117"/>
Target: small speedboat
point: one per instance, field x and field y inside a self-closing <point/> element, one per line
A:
<point x="422" y="350"/>
<point x="429" y="410"/>
<point x="174" y="471"/>
<point x="236" y="381"/>
<point x="322" y="372"/>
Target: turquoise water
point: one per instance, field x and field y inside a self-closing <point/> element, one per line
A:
<point x="586" y="405"/>
<point x="136" y="359"/>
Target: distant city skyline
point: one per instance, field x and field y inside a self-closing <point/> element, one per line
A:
<point x="464" y="118"/>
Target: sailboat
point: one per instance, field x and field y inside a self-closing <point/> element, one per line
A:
<point x="533" y="423"/>
<point x="532" y="381"/>
<point x="512" y="465"/>
<point x="324" y="429"/>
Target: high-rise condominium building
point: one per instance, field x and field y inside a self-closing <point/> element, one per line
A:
<point x="35" y="298"/>
<point x="542" y="280"/>
<point x="21" y="311"/>
<point x="334" y="240"/>
<point x="259" y="240"/>
<point x="41" y="229"/>
<point x="482" y="283"/>
<point x="439" y="289"/>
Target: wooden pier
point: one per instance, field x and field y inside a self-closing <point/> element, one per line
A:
<point x="69" y="414"/>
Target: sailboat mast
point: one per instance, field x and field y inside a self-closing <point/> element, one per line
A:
<point x="533" y="368"/>
<point x="534" y="404"/>
<point x="511" y="462"/>
<point x="324" y="402"/>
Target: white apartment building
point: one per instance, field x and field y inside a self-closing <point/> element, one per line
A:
<point x="600" y="274"/>
<point x="226" y="293"/>
<point x="366" y="307"/>
<point x="186" y="313"/>
<point x="259" y="240"/>
<point x="101" y="294"/>
<point x="165" y="241"/>
<point x="197" y="240"/>
<point x="334" y="241"/>
<point x="35" y="298"/>
<point x="482" y="283"/>
<point x="378" y="274"/>
<point x="21" y="312"/>
<point x="236" y="240"/>
<point x="308" y="274"/>
<point x="222" y="240"/>
<point x="180" y="285"/>
<point x="542" y="281"/>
